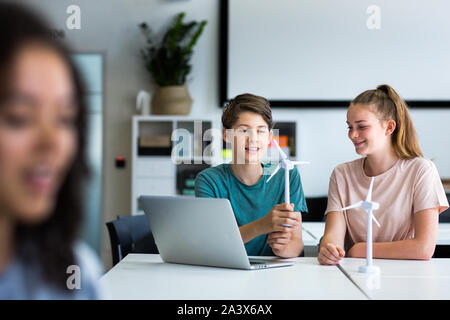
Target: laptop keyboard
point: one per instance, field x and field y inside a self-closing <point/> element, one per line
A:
<point x="259" y="264"/>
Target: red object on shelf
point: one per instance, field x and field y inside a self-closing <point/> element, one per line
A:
<point x="282" y="141"/>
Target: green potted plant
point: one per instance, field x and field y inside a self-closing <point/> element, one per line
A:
<point x="168" y="61"/>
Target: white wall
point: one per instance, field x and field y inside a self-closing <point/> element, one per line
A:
<point x="328" y="44"/>
<point x="110" y="26"/>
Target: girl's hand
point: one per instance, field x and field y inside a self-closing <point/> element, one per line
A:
<point x="330" y="254"/>
<point x="279" y="215"/>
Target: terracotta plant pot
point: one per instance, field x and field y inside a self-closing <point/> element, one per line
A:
<point x="173" y="100"/>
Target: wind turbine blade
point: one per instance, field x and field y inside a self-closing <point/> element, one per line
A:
<point x="299" y="162"/>
<point x="369" y="193"/>
<point x="373" y="218"/>
<point x="356" y="205"/>
<point x="283" y="155"/>
<point x="276" y="170"/>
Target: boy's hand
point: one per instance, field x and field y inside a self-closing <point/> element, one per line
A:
<point x="278" y="240"/>
<point x="281" y="214"/>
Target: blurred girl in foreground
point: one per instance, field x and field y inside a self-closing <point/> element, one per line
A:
<point x="42" y="164"/>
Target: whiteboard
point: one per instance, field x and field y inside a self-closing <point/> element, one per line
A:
<point x="332" y="50"/>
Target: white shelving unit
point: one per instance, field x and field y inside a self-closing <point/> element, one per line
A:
<point x="157" y="174"/>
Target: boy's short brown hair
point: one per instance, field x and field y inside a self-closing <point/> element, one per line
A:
<point x="246" y="102"/>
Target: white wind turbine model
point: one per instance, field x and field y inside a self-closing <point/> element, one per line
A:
<point x="287" y="165"/>
<point x="368" y="205"/>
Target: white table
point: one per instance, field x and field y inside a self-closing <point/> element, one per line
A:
<point x="403" y="279"/>
<point x="443" y="238"/>
<point x="316" y="229"/>
<point x="310" y="244"/>
<point x="145" y="276"/>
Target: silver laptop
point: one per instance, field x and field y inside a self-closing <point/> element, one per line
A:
<point x="200" y="231"/>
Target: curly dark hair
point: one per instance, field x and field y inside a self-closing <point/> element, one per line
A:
<point x="49" y="243"/>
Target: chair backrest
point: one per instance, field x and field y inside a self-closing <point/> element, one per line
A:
<point x="445" y="215"/>
<point x="316" y="208"/>
<point x="138" y="226"/>
<point x="130" y="234"/>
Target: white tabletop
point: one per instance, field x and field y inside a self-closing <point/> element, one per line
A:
<point x="145" y="276"/>
<point x="310" y="243"/>
<point x="443" y="237"/>
<point x="308" y="239"/>
<point x="317" y="229"/>
<point x="403" y="279"/>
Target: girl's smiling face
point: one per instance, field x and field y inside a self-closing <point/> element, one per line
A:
<point x="250" y="136"/>
<point x="37" y="134"/>
<point x="368" y="134"/>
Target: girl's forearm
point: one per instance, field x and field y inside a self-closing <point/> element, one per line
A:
<point x="413" y="249"/>
<point x="330" y="238"/>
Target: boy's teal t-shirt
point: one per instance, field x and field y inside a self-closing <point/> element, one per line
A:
<point x="250" y="203"/>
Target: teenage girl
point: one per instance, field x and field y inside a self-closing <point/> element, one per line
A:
<point x="406" y="185"/>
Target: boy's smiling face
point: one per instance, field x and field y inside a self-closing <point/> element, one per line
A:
<point x="249" y="136"/>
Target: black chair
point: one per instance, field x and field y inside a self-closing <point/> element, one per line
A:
<point x="316" y="209"/>
<point x="130" y="234"/>
<point x="445" y="215"/>
<point x="443" y="251"/>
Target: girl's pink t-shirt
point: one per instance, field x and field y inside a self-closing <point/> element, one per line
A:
<point x="408" y="187"/>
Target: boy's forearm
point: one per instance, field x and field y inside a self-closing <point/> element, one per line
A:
<point x="249" y="231"/>
<point x="293" y="249"/>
